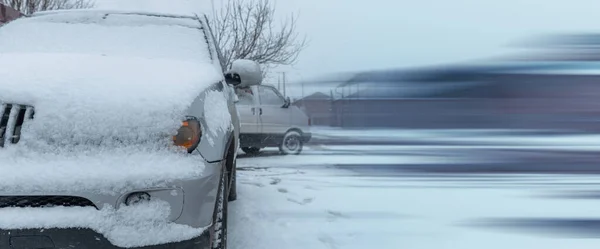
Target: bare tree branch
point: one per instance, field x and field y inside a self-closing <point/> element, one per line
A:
<point x="246" y="29"/>
<point x="28" y="7"/>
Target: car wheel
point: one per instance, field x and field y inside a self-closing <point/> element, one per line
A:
<point x="291" y="144"/>
<point x="219" y="233"/>
<point x="250" y="150"/>
<point x="233" y="185"/>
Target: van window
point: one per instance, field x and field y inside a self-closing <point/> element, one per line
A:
<point x="245" y="96"/>
<point x="268" y="96"/>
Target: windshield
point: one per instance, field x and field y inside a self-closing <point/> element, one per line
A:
<point x="136" y="35"/>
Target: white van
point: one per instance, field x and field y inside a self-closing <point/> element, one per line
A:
<point x="269" y="120"/>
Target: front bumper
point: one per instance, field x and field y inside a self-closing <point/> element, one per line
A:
<point x="187" y="213"/>
<point x="81" y="239"/>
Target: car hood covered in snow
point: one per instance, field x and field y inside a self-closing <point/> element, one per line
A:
<point x="99" y="120"/>
<point x="92" y="97"/>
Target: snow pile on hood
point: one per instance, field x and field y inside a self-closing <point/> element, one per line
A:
<point x="109" y="90"/>
<point x="93" y="75"/>
<point x="90" y="97"/>
<point x="129" y="226"/>
<point x="97" y="170"/>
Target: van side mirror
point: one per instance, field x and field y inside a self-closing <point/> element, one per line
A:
<point x="287" y="103"/>
<point x="244" y="73"/>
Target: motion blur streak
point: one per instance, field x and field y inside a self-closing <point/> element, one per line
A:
<point x="555" y="90"/>
<point x="492" y="122"/>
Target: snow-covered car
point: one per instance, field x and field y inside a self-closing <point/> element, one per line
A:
<point x="118" y="130"/>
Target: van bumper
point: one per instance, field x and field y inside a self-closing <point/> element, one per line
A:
<point x="81" y="239"/>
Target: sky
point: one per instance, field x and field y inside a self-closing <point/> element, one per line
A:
<point x="353" y="35"/>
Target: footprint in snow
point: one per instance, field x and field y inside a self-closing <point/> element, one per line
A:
<point x="275" y="181"/>
<point x="303" y="202"/>
<point x="282" y="190"/>
<point x="328" y="241"/>
<point x="334" y="215"/>
<point x="253" y="184"/>
<point x="252" y="168"/>
<point x="310" y="188"/>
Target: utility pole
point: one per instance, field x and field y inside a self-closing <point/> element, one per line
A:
<point x="302" y="85"/>
<point x="278" y="82"/>
<point x="284" y="93"/>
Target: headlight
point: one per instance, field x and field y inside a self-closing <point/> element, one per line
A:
<point x="188" y="135"/>
<point x="136" y="198"/>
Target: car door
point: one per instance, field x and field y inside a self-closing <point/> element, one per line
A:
<point x="274" y="118"/>
<point x="247" y="107"/>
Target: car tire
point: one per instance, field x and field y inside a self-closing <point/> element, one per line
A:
<point x="292" y="143"/>
<point x="233" y="185"/>
<point x="219" y="228"/>
<point x="251" y="150"/>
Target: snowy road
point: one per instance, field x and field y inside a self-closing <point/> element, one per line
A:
<point x="416" y="197"/>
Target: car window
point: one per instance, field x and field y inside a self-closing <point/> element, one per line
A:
<point x="245" y="96"/>
<point x="268" y="96"/>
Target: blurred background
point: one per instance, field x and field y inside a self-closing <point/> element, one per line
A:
<point x="477" y="114"/>
<point x="511" y="65"/>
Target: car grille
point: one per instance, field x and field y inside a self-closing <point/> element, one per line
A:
<point x="44" y="201"/>
<point x="13" y="117"/>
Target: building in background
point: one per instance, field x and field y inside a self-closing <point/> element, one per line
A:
<point x="318" y="108"/>
<point x="557" y="94"/>
<point x="8" y="14"/>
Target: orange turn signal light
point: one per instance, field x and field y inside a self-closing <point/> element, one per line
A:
<point x="188" y="135"/>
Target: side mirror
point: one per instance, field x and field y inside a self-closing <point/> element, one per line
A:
<point x="244" y="73"/>
<point x="287" y="103"/>
<point x="233" y="79"/>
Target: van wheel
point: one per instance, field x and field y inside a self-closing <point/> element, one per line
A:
<point x="250" y="150"/>
<point x="291" y="144"/>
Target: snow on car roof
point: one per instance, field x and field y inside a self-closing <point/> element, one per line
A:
<point x="91" y="12"/>
<point x="107" y="33"/>
<point x="99" y="16"/>
<point x="172" y="7"/>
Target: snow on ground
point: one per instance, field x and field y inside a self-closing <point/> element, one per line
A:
<point x="303" y="202"/>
